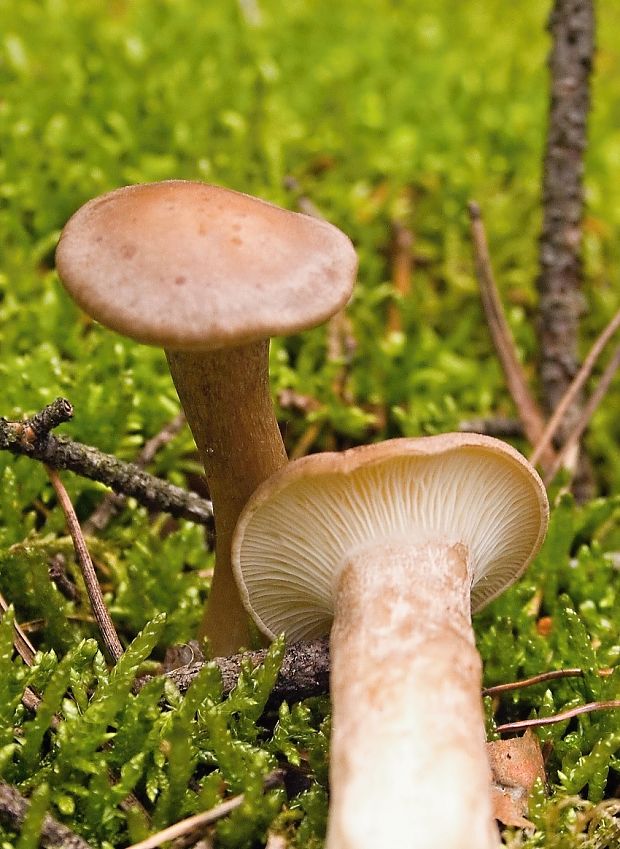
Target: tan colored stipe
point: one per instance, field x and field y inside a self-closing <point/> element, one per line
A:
<point x="226" y="398"/>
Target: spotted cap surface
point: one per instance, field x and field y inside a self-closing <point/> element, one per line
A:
<point x="189" y="266"/>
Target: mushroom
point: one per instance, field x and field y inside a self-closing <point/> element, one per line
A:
<point x="389" y="547"/>
<point x="210" y="274"/>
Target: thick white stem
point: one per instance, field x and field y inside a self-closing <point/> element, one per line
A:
<point x="408" y="766"/>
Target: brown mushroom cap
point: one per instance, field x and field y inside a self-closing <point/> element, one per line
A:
<point x="301" y="525"/>
<point x="188" y="266"/>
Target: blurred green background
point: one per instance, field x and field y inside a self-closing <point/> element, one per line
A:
<point x="382" y="111"/>
<point x="385" y="113"/>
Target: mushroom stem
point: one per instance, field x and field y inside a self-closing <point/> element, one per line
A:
<point x="227" y="401"/>
<point x="408" y="762"/>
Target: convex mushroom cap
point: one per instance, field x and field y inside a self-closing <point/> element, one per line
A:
<point x="299" y="528"/>
<point x="189" y="266"/>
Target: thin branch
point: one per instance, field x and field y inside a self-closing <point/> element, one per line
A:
<point x="499" y="427"/>
<point x="306" y="440"/>
<point x="13" y="810"/>
<point x="586" y="414"/>
<point x="26" y="651"/>
<point x="304" y="671"/>
<point x="341" y="342"/>
<point x="23" y="646"/>
<point x="572" y="27"/>
<point x="288" y="399"/>
<point x="527" y="409"/>
<point x="341" y="346"/>
<point x="303" y="202"/>
<point x="401" y="250"/>
<point x="100" y="611"/>
<point x="113" y="502"/>
<point x="28" y="439"/>
<point x="575" y="388"/>
<point x="552" y="675"/>
<point x="199" y="821"/>
<point x="57" y="573"/>
<point x="612" y="704"/>
<point x="52" y="415"/>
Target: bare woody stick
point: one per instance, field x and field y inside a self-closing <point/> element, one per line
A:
<point x="32" y="439"/>
<point x="527" y="408"/>
<point x="341" y="342"/>
<point x="586" y="414"/>
<point x="612" y="704"/>
<point x="26" y="651"/>
<point x="100" y="611"/>
<point x="551" y="675"/>
<point x="13" y="810"/>
<point x="571" y="394"/>
<point x="572" y="27"/>
<point x="402" y="270"/>
<point x="499" y="427"/>
<point x="23" y="646"/>
<point x="304" y="671"/>
<point x="200" y="821"/>
<point x="113" y="501"/>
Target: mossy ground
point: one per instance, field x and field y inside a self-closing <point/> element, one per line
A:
<point x="382" y="111"/>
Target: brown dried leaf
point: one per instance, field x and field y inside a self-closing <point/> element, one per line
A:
<point x="515" y="766"/>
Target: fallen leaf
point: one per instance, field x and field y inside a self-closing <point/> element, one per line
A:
<point x="515" y="766"/>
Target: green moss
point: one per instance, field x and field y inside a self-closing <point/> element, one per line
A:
<point x="380" y="112"/>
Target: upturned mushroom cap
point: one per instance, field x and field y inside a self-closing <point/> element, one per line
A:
<point x="297" y="530"/>
<point x="189" y="266"/>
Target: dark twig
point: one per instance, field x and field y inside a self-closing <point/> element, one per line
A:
<point x="304" y="671"/>
<point x="13" y="810"/>
<point x="501" y="428"/>
<point x="527" y="409"/>
<point x="612" y="704"/>
<point x="31" y="702"/>
<point x="586" y="414"/>
<point x="552" y="675"/>
<point x="303" y="202"/>
<point x="113" y="502"/>
<point x="199" y="821"/>
<point x="291" y="400"/>
<point x="54" y="414"/>
<point x="23" y="646"/>
<point x="306" y="440"/>
<point x="58" y="575"/>
<point x="569" y="397"/>
<point x="341" y="343"/>
<point x="571" y="25"/>
<point x="22" y="438"/>
<point x="402" y="272"/>
<point x="100" y="611"/>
